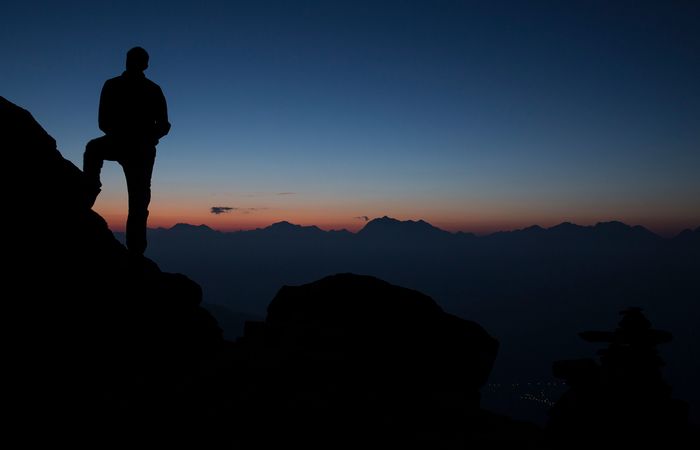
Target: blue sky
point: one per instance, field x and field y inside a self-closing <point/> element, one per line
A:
<point x="471" y="115"/>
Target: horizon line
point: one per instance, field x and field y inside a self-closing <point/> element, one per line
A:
<point x="666" y="235"/>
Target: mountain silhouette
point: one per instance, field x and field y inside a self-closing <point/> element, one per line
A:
<point x="187" y="228"/>
<point x="613" y="233"/>
<point x="688" y="239"/>
<point x="388" y="228"/>
<point x="284" y="226"/>
<point x="285" y="229"/>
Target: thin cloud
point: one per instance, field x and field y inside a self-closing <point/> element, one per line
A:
<point x="227" y="209"/>
<point x="286" y="193"/>
<point x="365" y="218"/>
<point x="221" y="209"/>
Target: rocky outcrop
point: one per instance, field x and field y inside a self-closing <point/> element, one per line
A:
<point x="401" y="334"/>
<point x="100" y="336"/>
<point x="622" y="399"/>
<point x="357" y="357"/>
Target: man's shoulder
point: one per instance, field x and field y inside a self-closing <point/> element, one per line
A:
<point x="125" y="82"/>
<point x="152" y="84"/>
<point x="123" y="78"/>
<point x="113" y="80"/>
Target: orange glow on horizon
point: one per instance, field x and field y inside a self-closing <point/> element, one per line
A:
<point x="328" y="213"/>
<point x="332" y="211"/>
<point x="229" y="222"/>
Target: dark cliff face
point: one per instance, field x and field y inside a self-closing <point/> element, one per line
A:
<point x="97" y="332"/>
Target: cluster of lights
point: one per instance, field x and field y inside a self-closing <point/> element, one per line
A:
<point x="536" y="391"/>
<point x="541" y="398"/>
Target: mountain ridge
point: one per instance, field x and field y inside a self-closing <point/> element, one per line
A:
<point x="389" y="224"/>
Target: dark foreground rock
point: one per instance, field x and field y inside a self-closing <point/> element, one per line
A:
<point x="101" y="339"/>
<point x="623" y="399"/>
<point x="351" y="359"/>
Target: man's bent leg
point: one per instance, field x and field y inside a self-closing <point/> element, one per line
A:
<point x="138" y="173"/>
<point x="96" y="151"/>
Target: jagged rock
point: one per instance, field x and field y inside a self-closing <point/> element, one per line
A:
<point x="100" y="336"/>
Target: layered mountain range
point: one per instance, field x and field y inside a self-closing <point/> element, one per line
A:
<point x="531" y="288"/>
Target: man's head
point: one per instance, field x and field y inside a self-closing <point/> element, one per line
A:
<point x="136" y="60"/>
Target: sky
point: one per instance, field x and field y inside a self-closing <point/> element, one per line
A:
<point x="474" y="116"/>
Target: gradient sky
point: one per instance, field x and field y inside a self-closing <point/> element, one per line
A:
<point x="474" y="116"/>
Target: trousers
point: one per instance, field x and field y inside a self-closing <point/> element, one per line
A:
<point x="137" y="159"/>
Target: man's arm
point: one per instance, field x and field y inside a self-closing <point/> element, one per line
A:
<point x="162" y="126"/>
<point x="105" y="116"/>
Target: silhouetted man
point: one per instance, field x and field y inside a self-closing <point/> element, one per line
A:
<point x="134" y="116"/>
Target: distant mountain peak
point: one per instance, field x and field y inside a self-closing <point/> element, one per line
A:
<point x="612" y="230"/>
<point x="282" y="225"/>
<point x="393" y="227"/>
<point x="288" y="227"/>
<point x="613" y="224"/>
<point x="384" y="220"/>
<point x="566" y="224"/>
<point x="615" y="228"/>
<point x="688" y="236"/>
<point x="566" y="228"/>
<point x="190" y="227"/>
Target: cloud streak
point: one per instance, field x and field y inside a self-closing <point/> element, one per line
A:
<point x="221" y="209"/>
<point x="216" y="210"/>
<point x="365" y="218"/>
